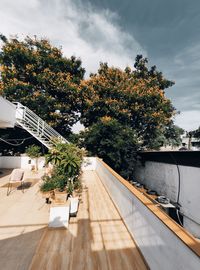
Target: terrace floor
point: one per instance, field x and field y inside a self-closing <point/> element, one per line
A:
<point x="96" y="239"/>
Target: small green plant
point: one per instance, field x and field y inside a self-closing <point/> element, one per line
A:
<point x="47" y="185"/>
<point x="71" y="164"/>
<point x="33" y="151"/>
<point x="70" y="188"/>
<point x="78" y="185"/>
<point x="59" y="178"/>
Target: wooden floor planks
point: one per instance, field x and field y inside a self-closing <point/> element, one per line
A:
<point x="96" y="239"/>
<point x="23" y="219"/>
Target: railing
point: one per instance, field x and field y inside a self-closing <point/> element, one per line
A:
<point x="34" y="124"/>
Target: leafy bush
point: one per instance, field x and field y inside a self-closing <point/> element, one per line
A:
<point x="115" y="143"/>
<point x="48" y="184"/>
<point x="66" y="156"/>
<point x="67" y="159"/>
<point x="60" y="179"/>
<point x="33" y="151"/>
<point x="77" y="184"/>
<point x="70" y="188"/>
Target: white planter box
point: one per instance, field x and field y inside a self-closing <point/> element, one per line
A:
<point x="59" y="216"/>
<point x="74" y="206"/>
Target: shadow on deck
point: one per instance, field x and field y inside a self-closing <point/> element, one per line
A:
<point x="96" y="239"/>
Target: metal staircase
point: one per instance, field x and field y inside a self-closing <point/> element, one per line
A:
<point x="38" y="128"/>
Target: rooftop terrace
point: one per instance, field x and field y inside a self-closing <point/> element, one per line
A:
<point x="96" y="239"/>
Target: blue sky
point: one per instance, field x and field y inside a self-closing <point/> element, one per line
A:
<point x="167" y="32"/>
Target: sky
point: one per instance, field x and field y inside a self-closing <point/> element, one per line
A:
<point x="115" y="31"/>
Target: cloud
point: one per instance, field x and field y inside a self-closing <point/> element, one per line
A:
<point x="188" y="120"/>
<point x="91" y="34"/>
<point x="94" y="34"/>
<point x="184" y="68"/>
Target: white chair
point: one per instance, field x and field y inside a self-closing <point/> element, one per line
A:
<point x="17" y="176"/>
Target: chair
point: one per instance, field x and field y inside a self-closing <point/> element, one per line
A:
<point x="17" y="176"/>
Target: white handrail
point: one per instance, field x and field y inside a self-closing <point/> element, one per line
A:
<point x="36" y="126"/>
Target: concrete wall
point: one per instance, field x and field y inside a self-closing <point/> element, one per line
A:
<point x="161" y="248"/>
<point x="89" y="164"/>
<point x="24" y="162"/>
<point x="164" y="178"/>
<point x="7" y="113"/>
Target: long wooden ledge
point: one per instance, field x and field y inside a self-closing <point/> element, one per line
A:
<point x="187" y="238"/>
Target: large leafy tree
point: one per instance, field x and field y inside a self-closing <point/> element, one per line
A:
<point x="194" y="133"/>
<point x="135" y="100"/>
<point x="36" y="73"/>
<point x="142" y="71"/>
<point x="115" y="143"/>
<point x="170" y="136"/>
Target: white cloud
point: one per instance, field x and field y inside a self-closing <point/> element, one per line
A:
<point x="185" y="95"/>
<point x="94" y="36"/>
<point x="82" y="31"/>
<point x="188" y="120"/>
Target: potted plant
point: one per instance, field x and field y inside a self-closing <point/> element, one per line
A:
<point x="47" y="188"/>
<point x="60" y="180"/>
<point x="33" y="151"/>
<point x="66" y="159"/>
<point x="77" y="186"/>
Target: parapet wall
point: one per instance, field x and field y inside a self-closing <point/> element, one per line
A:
<point x="163" y="243"/>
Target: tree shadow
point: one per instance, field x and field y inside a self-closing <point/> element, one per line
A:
<point x="17" y="252"/>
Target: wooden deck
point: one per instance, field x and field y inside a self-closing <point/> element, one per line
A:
<point x="96" y="239"/>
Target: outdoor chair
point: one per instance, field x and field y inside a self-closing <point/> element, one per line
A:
<point x="17" y="176"/>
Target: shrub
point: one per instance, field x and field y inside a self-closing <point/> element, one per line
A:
<point x="33" y="151"/>
<point x="67" y="159"/>
<point x="48" y="184"/>
<point x="59" y="178"/>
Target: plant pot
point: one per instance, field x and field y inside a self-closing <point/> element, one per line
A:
<point x="60" y="196"/>
<point x="48" y="195"/>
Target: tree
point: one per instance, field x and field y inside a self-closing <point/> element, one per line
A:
<point x="36" y="73"/>
<point x="33" y="151"/>
<point x="142" y="71"/>
<point x="115" y="143"/>
<point x="195" y="133"/>
<point x="133" y="101"/>
<point x="171" y="136"/>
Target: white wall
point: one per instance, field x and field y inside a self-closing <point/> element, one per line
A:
<point x="89" y="164"/>
<point x="164" y="179"/>
<point x="161" y="248"/>
<point x="24" y="162"/>
<point x="7" y="113"/>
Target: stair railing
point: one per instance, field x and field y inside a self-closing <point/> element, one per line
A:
<point x="31" y="121"/>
